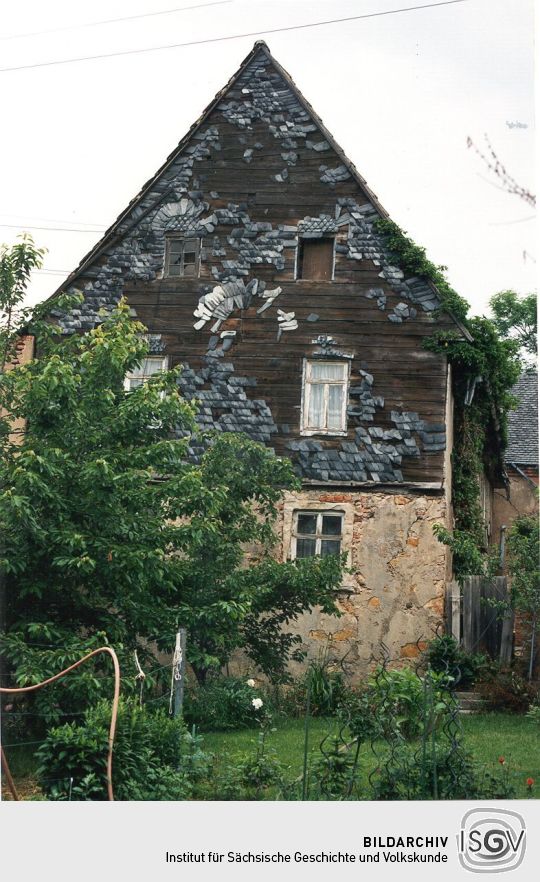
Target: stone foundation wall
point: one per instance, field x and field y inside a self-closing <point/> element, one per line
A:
<point x="395" y="592"/>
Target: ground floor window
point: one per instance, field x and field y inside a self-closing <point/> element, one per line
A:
<point x="316" y="533"/>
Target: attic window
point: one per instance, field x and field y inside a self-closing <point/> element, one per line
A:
<point x="316" y="259"/>
<point x="182" y="257"/>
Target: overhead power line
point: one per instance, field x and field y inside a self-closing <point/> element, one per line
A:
<point x="520" y="220"/>
<point x="52" y="220"/>
<point x="314" y="24"/>
<point x="54" y="229"/>
<point x="106" y="21"/>
<point x="53" y="272"/>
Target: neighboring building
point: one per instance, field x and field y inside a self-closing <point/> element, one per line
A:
<point x="521" y="457"/>
<point x="521" y="461"/>
<point x="254" y="258"/>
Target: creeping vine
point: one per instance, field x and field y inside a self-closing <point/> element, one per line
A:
<point x="484" y="370"/>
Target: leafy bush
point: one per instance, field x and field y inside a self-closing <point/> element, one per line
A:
<point x="327" y="691"/>
<point x="439" y="774"/>
<point x="223" y="704"/>
<point x="445" y="656"/>
<point x="397" y="704"/>
<point x="249" y="777"/>
<point x="506" y="689"/>
<point x="151" y="756"/>
<point x="534" y="711"/>
<point x="335" y="774"/>
<point x="258" y="773"/>
<point x="444" y="773"/>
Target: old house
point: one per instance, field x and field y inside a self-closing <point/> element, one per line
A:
<point x="520" y="497"/>
<point x="521" y="457"/>
<point x="254" y="258"/>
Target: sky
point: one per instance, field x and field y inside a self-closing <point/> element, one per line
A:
<point x="401" y="93"/>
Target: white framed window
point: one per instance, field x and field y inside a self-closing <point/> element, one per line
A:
<point x="182" y="256"/>
<point x="324" y="398"/>
<point x="316" y="533"/>
<point x="148" y="367"/>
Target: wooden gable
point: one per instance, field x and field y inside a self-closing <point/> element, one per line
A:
<point x="289" y="267"/>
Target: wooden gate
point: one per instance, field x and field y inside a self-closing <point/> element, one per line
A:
<point x="475" y="622"/>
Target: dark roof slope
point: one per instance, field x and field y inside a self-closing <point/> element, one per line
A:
<point x="523" y="422"/>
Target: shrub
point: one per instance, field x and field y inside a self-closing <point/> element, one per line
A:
<point x="327" y="691"/>
<point x="534" y="711"/>
<point x="335" y="774"/>
<point x="223" y="704"/>
<point x="397" y="704"/>
<point x="506" y="689"/>
<point x="150" y="756"/>
<point x="445" y="656"/>
<point x="439" y="774"/>
<point x="258" y="773"/>
<point x="448" y="772"/>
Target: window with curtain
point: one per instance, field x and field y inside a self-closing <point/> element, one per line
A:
<point x="316" y="533"/>
<point x="325" y="396"/>
<point x="151" y="365"/>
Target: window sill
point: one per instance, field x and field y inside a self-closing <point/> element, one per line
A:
<point x="324" y="434"/>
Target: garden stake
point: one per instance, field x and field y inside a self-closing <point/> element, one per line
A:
<point x="354" y="767"/>
<point x="533" y="649"/>
<point x="306" y="738"/>
<point x="433" y="739"/>
<point x="424" y="735"/>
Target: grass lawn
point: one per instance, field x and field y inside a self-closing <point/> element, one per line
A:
<point x="487" y="736"/>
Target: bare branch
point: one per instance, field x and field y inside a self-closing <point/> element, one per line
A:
<point x="496" y="167"/>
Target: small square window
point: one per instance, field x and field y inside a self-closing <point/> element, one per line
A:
<point x="324" y="408"/>
<point x="315" y="259"/>
<point x="316" y="533"/>
<point x="182" y="257"/>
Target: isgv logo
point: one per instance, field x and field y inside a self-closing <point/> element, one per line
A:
<point x="491" y="840"/>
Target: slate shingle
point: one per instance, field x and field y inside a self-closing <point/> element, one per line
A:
<point x="523" y="422"/>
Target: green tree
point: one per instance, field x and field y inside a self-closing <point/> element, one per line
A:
<point x="515" y="318"/>
<point x="16" y="264"/>
<point x="110" y="533"/>
<point x="523" y="555"/>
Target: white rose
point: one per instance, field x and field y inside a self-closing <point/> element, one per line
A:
<point x="251" y="683"/>
<point x="257" y="703"/>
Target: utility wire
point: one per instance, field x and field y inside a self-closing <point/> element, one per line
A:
<point x="53" y="272"/>
<point x="53" y="220"/>
<point x="54" y="229"/>
<point x="520" y="220"/>
<point x="106" y="21"/>
<point x="314" y="24"/>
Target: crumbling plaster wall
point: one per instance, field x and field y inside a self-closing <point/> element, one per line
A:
<point x="521" y="499"/>
<point x="394" y="594"/>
